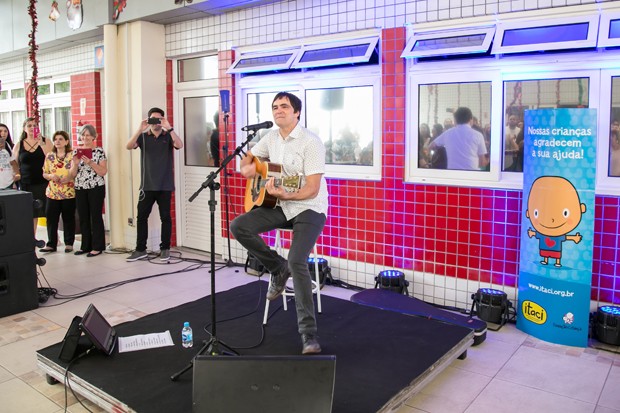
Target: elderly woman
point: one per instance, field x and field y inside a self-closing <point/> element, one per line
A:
<point x="89" y="168"/>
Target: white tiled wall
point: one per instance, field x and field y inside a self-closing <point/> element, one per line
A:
<point x="72" y="60"/>
<point x="293" y="19"/>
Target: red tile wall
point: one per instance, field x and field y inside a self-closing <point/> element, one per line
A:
<point x="87" y="86"/>
<point x="170" y="116"/>
<point x="469" y="233"/>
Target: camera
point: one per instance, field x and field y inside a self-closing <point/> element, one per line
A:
<point x="154" y="121"/>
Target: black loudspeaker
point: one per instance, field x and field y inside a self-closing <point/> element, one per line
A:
<point x="16" y="212"/>
<point x="18" y="283"/>
<point x="292" y="384"/>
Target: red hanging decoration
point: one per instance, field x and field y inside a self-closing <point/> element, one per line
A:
<point x="33" y="96"/>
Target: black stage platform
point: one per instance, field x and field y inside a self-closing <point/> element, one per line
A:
<point x="382" y="357"/>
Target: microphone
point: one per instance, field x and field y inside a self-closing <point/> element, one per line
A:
<point x="254" y="128"/>
<point x="225" y="99"/>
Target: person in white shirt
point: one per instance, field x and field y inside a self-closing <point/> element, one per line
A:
<point x="465" y="147"/>
<point x="300" y="153"/>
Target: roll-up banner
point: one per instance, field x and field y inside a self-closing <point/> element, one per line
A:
<point x="557" y="230"/>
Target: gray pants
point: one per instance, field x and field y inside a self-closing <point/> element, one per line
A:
<point x="307" y="227"/>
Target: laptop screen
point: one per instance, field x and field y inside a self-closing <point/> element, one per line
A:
<point x="100" y="332"/>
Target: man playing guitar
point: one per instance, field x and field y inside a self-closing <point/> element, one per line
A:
<point x="304" y="210"/>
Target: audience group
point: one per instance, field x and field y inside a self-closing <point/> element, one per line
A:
<point x="62" y="179"/>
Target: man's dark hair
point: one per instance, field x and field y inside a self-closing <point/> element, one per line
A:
<point x="463" y="115"/>
<point x="158" y="110"/>
<point x="294" y="100"/>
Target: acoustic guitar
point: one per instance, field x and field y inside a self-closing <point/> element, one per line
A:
<point x="255" y="193"/>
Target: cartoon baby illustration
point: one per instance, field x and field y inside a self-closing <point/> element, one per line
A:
<point x="554" y="210"/>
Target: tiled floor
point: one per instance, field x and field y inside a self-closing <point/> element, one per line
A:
<point x="509" y="372"/>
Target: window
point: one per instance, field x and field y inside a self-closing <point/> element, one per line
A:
<point x="439" y="150"/>
<point x="198" y="68"/>
<point x="347" y="119"/>
<point x="17" y="118"/>
<point x="609" y="30"/>
<point x="520" y="95"/>
<point x="44" y="90"/>
<point x="449" y="42"/>
<point x="614" y="130"/>
<point x="4" y="95"/>
<point x="47" y="121"/>
<point x="341" y="105"/>
<point x="263" y="62"/>
<point x="342" y="117"/>
<point x="62" y="87"/>
<point x="62" y="119"/>
<point x="17" y="93"/>
<point x="549" y="34"/>
<point x="202" y="144"/>
<point x="4" y="117"/>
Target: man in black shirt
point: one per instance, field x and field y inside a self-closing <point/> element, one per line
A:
<point x="156" y="138"/>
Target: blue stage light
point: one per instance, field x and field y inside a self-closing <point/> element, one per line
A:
<point x="392" y="280"/>
<point x="607" y="325"/>
<point x="491" y="305"/>
<point x="325" y="273"/>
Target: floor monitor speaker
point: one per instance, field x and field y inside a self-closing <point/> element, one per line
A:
<point x="292" y="384"/>
<point x="16" y="212"/>
<point x="18" y="283"/>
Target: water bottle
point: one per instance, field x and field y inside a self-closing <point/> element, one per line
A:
<point x="187" y="336"/>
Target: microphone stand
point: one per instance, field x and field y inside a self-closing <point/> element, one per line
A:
<point x="214" y="345"/>
<point x="229" y="261"/>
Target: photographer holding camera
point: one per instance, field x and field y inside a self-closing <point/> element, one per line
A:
<point x="156" y="139"/>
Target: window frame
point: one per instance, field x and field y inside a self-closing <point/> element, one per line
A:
<point x="371" y="45"/>
<point x="413" y="173"/>
<point x="488" y="31"/>
<point x="294" y="51"/>
<point x="603" y="32"/>
<point x="329" y="78"/>
<point x="605" y="185"/>
<point x="54" y="101"/>
<point x="515" y="179"/>
<point x="503" y="27"/>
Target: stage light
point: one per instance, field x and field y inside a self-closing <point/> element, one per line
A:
<point x="392" y="280"/>
<point x="491" y="305"/>
<point x="325" y="273"/>
<point x="607" y="325"/>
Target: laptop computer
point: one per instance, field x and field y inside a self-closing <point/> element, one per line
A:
<point x="292" y="384"/>
<point x="98" y="330"/>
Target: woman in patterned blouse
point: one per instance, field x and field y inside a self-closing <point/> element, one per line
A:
<point x="90" y="192"/>
<point x="60" y="192"/>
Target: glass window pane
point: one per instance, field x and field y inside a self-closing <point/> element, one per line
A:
<point x="46" y="122"/>
<point x="259" y="110"/>
<point x="18" y="117"/>
<point x="44" y="90"/>
<point x="535" y="94"/>
<point x="4" y="95"/>
<point x="4" y="118"/>
<point x="614" y="134"/>
<point x="62" y="87"/>
<point x="17" y="93"/>
<point x="198" y="68"/>
<point x="551" y="34"/>
<point x="202" y="138"/>
<point x="343" y="119"/>
<point x="464" y="148"/>
<point x="62" y="119"/>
